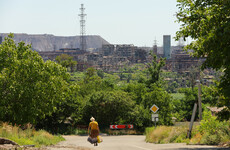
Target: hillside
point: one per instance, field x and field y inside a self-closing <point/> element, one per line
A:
<point x="48" y="42"/>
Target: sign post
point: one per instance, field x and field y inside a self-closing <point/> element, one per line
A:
<point x="155" y="116"/>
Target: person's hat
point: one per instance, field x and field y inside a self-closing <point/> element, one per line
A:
<point x="92" y="119"/>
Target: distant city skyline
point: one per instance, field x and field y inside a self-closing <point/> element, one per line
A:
<point x="118" y="22"/>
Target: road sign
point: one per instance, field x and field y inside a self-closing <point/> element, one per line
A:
<point x="155" y="117"/>
<point x="130" y="126"/>
<point x="154" y="108"/>
<point x="117" y="126"/>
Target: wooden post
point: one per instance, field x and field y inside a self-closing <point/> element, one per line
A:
<point x="199" y="100"/>
<point x="192" y="120"/>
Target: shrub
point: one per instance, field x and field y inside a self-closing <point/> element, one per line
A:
<point x="213" y="131"/>
<point x="81" y="131"/>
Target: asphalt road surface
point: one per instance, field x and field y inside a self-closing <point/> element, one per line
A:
<point x="127" y="142"/>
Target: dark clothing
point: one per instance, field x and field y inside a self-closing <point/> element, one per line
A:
<point x="94" y="133"/>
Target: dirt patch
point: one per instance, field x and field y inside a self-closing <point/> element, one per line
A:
<point x="14" y="147"/>
<point x="67" y="147"/>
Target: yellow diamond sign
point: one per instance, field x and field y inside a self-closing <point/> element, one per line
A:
<point x="154" y="108"/>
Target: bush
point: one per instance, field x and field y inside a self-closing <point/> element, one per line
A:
<point x="81" y="131"/>
<point x="213" y="131"/>
<point x="210" y="139"/>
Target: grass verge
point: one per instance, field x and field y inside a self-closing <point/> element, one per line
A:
<point x="28" y="135"/>
<point x="165" y="134"/>
<point x="210" y="132"/>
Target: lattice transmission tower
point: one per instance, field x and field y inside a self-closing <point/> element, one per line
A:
<point x="82" y="28"/>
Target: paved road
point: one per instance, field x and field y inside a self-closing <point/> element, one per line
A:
<point x="131" y="142"/>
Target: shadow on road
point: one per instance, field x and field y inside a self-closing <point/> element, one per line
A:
<point x="219" y="148"/>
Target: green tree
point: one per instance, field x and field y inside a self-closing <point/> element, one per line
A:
<point x="129" y="77"/>
<point x="193" y="75"/>
<point x="162" y="99"/>
<point x="90" y="72"/>
<point x="70" y="110"/>
<point x="109" y="107"/>
<point x="154" y="69"/>
<point x="121" y="75"/>
<point x="90" y="83"/>
<point x="29" y="87"/>
<point x="137" y="90"/>
<point x="100" y="73"/>
<point x="66" y="61"/>
<point x="155" y="93"/>
<point x="207" y="23"/>
<point x="185" y="107"/>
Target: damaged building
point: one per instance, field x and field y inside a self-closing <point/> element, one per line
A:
<point x="181" y="61"/>
<point x="112" y="58"/>
<point x="109" y="58"/>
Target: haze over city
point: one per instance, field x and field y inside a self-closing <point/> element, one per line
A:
<point x="118" y="22"/>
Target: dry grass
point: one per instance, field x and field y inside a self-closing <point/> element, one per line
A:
<point x="27" y="135"/>
<point x="166" y="134"/>
<point x="172" y="134"/>
<point x="196" y="138"/>
<point x="122" y="132"/>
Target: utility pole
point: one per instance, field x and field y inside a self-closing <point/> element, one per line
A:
<point x="199" y="99"/>
<point x="195" y="108"/>
<point x="82" y="28"/>
<point x="192" y="120"/>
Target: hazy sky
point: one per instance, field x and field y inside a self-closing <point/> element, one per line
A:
<point x="136" y="22"/>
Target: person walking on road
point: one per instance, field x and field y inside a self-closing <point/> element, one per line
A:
<point x="93" y="129"/>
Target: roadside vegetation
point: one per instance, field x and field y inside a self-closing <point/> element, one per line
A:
<point x="166" y="134"/>
<point x="27" y="135"/>
<point x="210" y="131"/>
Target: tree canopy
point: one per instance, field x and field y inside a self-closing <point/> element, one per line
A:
<point x="29" y="87"/>
<point x="66" y="61"/>
<point x="207" y="22"/>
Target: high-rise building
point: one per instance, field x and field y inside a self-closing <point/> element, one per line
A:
<point x="0" y="40"/>
<point x="167" y="46"/>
